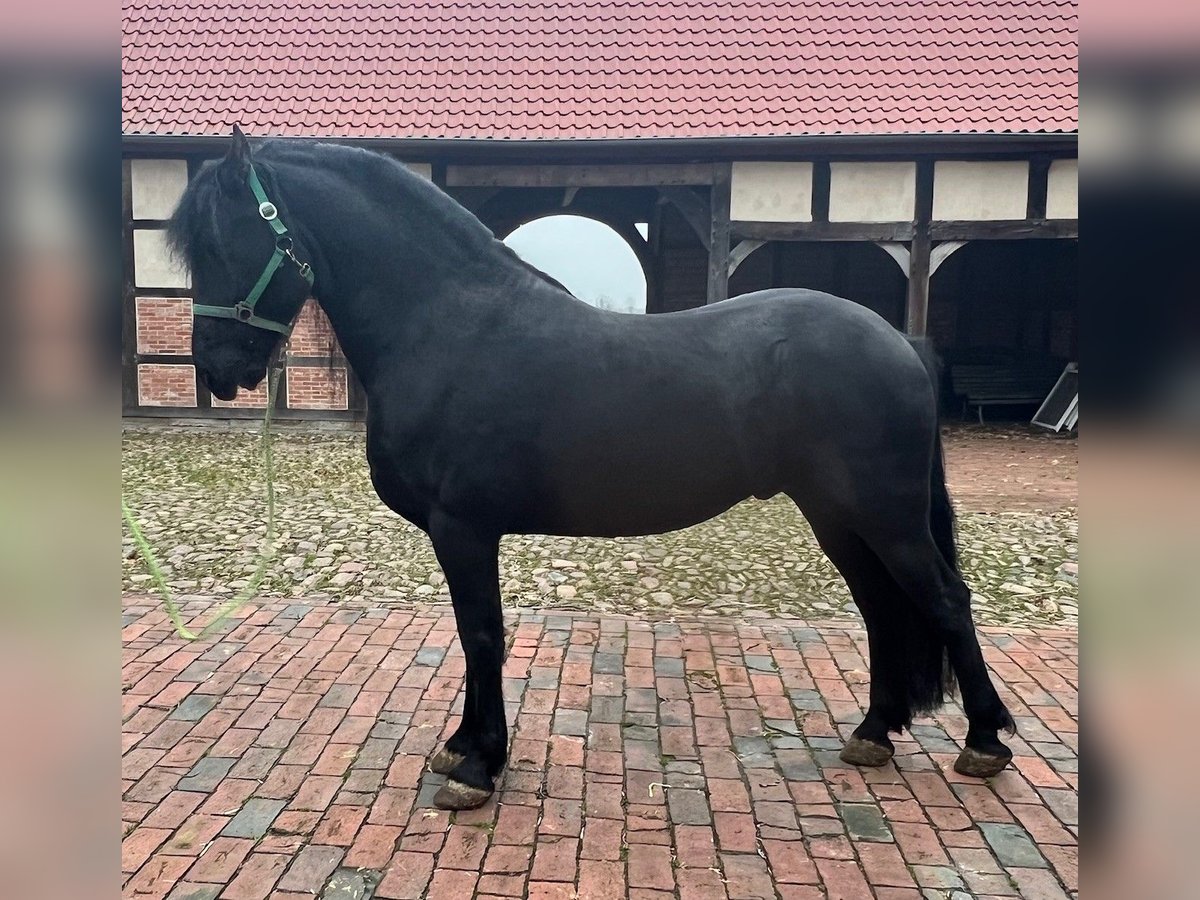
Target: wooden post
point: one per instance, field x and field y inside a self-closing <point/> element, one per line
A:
<point x="718" y="248"/>
<point x="916" y="316"/>
<point x="1039" y="183"/>
<point x="820" y="191"/>
<point x="129" y="390"/>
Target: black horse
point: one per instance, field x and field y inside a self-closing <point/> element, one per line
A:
<point x="497" y="403"/>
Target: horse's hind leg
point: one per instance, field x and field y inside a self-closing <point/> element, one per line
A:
<point x="477" y="751"/>
<point x="932" y="584"/>
<point x="906" y="659"/>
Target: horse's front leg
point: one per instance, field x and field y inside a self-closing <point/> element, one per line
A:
<point x="477" y="751"/>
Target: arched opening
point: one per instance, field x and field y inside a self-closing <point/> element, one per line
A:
<point x="1000" y="300"/>
<point x="1004" y="318"/>
<point x="594" y="262"/>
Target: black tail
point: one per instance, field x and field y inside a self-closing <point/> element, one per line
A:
<point x="930" y="679"/>
<point x="933" y="677"/>
<point x="941" y="511"/>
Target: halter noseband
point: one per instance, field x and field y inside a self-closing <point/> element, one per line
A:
<point x="244" y="311"/>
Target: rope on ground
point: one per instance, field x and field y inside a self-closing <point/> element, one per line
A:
<point x="265" y="555"/>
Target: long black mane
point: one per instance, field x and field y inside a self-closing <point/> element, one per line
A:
<point x="194" y="230"/>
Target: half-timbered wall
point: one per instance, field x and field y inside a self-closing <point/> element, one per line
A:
<point x="978" y="253"/>
<point x="159" y="374"/>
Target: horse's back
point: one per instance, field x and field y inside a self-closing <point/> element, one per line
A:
<point x="816" y="351"/>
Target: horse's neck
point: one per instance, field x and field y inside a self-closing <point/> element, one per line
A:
<point x="392" y="268"/>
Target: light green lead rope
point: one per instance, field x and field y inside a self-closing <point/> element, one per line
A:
<point x="266" y="554"/>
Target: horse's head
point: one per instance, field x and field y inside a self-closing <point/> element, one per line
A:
<point x="249" y="275"/>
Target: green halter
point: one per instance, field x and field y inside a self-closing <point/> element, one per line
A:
<point x="244" y="311"/>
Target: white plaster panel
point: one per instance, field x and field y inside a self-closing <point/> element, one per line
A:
<point x="1062" y="189"/>
<point x="980" y="191"/>
<point x="872" y="192"/>
<point x="157" y="185"/>
<point x="153" y="265"/>
<point x="425" y="170"/>
<point x="771" y="192"/>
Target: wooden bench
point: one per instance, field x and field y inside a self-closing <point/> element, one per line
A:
<point x="1002" y="384"/>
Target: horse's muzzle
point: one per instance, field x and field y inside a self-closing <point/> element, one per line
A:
<point x="222" y="389"/>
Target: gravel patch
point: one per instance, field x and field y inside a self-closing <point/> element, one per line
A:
<point x="199" y="497"/>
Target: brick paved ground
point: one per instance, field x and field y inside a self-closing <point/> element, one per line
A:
<point x="649" y="760"/>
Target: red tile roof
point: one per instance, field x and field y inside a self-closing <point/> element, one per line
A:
<point x="598" y="68"/>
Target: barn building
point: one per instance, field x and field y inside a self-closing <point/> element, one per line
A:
<point x="918" y="158"/>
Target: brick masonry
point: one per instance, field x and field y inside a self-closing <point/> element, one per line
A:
<point x="255" y="399"/>
<point x="316" y="387"/>
<point x="164" y="325"/>
<point x="166" y="384"/>
<point x="698" y="759"/>
<point x="311" y="333"/>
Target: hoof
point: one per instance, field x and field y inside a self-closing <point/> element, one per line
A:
<point x="456" y="795"/>
<point x="861" y="752"/>
<point x="981" y="765"/>
<point x="445" y="761"/>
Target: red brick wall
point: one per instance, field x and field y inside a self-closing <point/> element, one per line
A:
<point x="164" y="328"/>
<point x="164" y="325"/>
<point x="311" y="334"/>
<point x="255" y="399"/>
<point x="166" y="385"/>
<point x="316" y="387"/>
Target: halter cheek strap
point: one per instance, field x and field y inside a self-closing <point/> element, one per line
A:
<point x="244" y="310"/>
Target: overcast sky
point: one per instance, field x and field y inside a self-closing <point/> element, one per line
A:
<point x="589" y="258"/>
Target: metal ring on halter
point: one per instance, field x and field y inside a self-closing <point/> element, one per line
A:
<point x="284" y="243"/>
<point x="242" y="312"/>
<point x="267" y="210"/>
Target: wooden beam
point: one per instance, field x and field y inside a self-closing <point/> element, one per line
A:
<point x="474" y="199"/>
<point x="718" y="249"/>
<point x="824" y="231"/>
<point x="1039" y="185"/>
<point x="897" y="251"/>
<point x="1004" y="230"/>
<point x="693" y="208"/>
<point x="916" y="313"/>
<point x="129" y="390"/>
<point x="641" y="175"/>
<point x="654" y="245"/>
<point x="820" y="192"/>
<point x="602" y="151"/>
<point x="739" y="253"/>
<point x="941" y="253"/>
<point x="886" y="232"/>
<point x="196" y="415"/>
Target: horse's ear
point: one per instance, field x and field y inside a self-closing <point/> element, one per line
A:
<point x="236" y="165"/>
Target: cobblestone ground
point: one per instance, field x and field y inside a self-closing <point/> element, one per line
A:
<point x="200" y="498"/>
<point x="694" y="759"/>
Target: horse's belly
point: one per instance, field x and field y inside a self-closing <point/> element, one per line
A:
<point x="616" y="502"/>
<point x="617" y="519"/>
